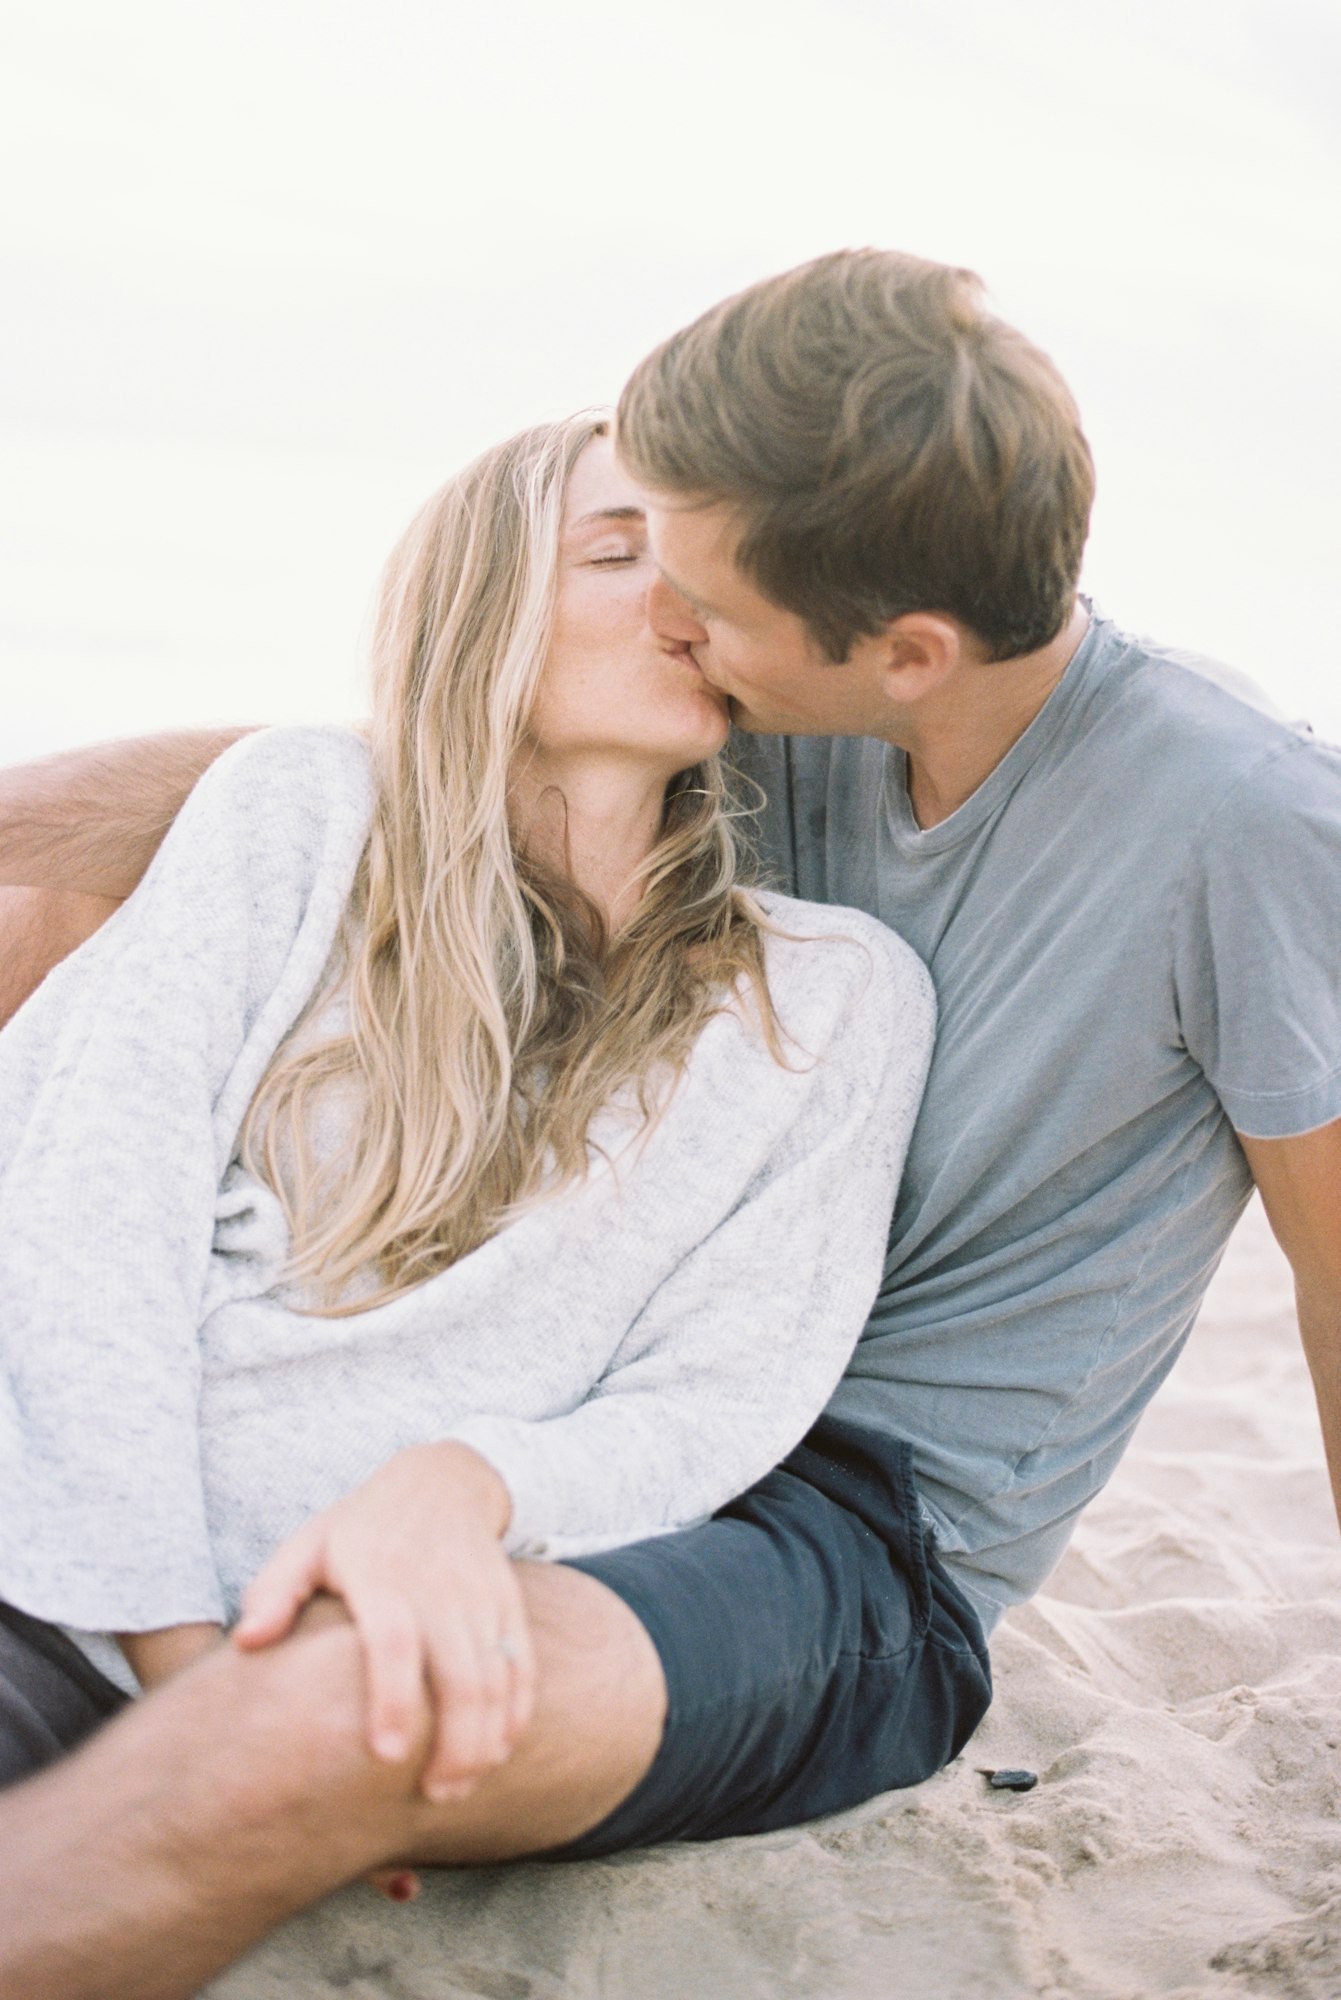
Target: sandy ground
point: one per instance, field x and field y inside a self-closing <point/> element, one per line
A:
<point x="1177" y="1688"/>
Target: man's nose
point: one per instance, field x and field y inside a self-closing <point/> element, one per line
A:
<point x="670" y="617"/>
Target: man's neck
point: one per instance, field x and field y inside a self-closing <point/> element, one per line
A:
<point x="956" y="736"/>
<point x="594" y="821"/>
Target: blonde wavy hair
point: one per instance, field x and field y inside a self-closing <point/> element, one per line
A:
<point x="490" y="1016"/>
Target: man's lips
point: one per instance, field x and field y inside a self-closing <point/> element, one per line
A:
<point x="685" y="656"/>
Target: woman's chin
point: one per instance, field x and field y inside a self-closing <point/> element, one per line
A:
<point x="718" y="728"/>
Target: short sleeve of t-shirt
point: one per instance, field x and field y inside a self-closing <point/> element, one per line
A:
<point x="1257" y="945"/>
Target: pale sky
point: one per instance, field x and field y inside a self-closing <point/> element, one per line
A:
<point x="271" y="269"/>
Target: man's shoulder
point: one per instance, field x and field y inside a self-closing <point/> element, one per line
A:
<point x="1181" y="671"/>
<point x="1204" y="736"/>
<point x="1206" y="711"/>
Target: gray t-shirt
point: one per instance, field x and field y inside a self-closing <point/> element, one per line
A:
<point x="1134" y="928"/>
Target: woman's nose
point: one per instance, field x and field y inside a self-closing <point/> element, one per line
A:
<point x="669" y="616"/>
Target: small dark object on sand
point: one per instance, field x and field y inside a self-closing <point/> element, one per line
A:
<point x="1010" y="1781"/>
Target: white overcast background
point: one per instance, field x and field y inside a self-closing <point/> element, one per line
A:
<point x="272" y="268"/>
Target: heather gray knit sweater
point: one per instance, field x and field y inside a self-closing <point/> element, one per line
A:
<point x="628" y="1356"/>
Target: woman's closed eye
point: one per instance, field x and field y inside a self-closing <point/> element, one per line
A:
<point x="622" y="556"/>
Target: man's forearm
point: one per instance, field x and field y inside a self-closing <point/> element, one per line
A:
<point x="91" y="820"/>
<point x="1300" y="1183"/>
<point x="1320" y="1328"/>
<point x="38" y="927"/>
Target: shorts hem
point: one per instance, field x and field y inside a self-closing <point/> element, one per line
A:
<point x="767" y="1741"/>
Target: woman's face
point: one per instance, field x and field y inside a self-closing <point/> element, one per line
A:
<point x="610" y="688"/>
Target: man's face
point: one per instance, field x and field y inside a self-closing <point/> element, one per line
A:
<point x="761" y="657"/>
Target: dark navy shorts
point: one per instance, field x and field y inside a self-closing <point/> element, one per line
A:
<point x="815" y="1650"/>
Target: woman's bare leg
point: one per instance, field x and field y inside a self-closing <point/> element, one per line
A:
<point x="243" y="1790"/>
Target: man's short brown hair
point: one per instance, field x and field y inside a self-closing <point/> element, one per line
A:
<point x="890" y="445"/>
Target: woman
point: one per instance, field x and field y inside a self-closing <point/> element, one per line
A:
<point x="442" y="1114"/>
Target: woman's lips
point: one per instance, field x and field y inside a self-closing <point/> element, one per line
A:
<point x="682" y="656"/>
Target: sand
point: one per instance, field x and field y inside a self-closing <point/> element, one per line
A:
<point x="1178" y="1689"/>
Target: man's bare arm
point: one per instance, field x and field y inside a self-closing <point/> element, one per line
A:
<point x="38" y="927"/>
<point x="1300" y="1184"/>
<point x="89" y="821"/>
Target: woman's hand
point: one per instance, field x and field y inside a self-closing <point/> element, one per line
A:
<point x="414" y="1554"/>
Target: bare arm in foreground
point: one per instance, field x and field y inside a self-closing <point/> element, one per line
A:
<point x="243" y="1790"/>
<point x="90" y="820"/>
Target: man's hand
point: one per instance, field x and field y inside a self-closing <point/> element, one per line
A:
<point x="91" y="820"/>
<point x="1300" y="1183"/>
<point x="414" y="1553"/>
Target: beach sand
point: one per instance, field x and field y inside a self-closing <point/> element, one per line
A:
<point x="1177" y="1687"/>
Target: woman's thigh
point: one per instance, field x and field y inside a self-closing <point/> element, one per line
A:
<point x="814" y="1650"/>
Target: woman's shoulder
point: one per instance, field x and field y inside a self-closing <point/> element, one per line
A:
<point x="798" y="928"/>
<point x="302" y="792"/>
<point x="274" y="827"/>
<point x="843" y="959"/>
<point x="296" y="767"/>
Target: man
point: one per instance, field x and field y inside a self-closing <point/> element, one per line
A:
<point x="868" y="505"/>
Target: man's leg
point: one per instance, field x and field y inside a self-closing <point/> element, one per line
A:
<point x="243" y="1790"/>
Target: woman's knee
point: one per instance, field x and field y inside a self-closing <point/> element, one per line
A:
<point x="595" y="1657"/>
<point x="599" y="1716"/>
<point x="289" y="1726"/>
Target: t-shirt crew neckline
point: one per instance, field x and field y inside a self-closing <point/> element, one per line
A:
<point x="1000" y="782"/>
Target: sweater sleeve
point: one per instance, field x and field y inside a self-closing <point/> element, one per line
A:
<point x="737" y="1351"/>
<point x="123" y="1084"/>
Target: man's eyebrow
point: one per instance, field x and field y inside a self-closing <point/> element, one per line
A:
<point x="611" y="514"/>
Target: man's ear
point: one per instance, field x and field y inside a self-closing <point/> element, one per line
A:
<point x="916" y="652"/>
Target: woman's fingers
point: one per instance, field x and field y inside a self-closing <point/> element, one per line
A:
<point x="277" y="1593"/>
<point x="470" y="1679"/>
<point x="454" y="1765"/>
<point x="521" y="1649"/>
<point x="483" y="1684"/>
<point x="515" y="1645"/>
<point x="393" y="1654"/>
<point x="495" y="1745"/>
<point x="467" y="1669"/>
